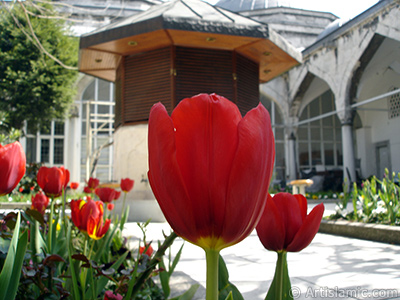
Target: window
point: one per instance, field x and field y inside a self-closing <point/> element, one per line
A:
<point x="97" y="108"/>
<point x="320" y="142"/>
<point x="47" y="145"/>
<point x="278" y="129"/>
<point x="394" y="105"/>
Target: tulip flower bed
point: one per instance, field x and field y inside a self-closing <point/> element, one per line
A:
<point x="209" y="169"/>
<point x="45" y="254"/>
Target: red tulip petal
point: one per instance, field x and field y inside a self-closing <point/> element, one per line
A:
<point x="303" y="205"/>
<point x="289" y="208"/>
<point x="308" y="230"/>
<point x="12" y="166"/>
<point x="91" y="226"/>
<point x="75" y="213"/>
<point x="250" y="174"/>
<point x="206" y="142"/>
<point x="103" y="229"/>
<point x="41" y="177"/>
<point x="65" y="176"/>
<point x="270" y="228"/>
<point x="164" y="174"/>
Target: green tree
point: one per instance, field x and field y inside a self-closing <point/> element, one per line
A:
<point x="36" y="84"/>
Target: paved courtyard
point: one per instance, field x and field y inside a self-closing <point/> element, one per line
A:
<point x="332" y="267"/>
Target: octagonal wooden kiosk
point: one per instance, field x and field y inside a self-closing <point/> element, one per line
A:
<point x="172" y="51"/>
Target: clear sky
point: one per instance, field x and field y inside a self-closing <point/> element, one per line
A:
<point x="344" y="9"/>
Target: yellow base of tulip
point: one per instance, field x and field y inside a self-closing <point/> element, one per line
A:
<point x="213" y="243"/>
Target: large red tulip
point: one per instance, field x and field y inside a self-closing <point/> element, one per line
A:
<point x="40" y="202"/>
<point x="285" y="225"/>
<point x="12" y="166"/>
<point x="210" y="169"/>
<point x="53" y="180"/>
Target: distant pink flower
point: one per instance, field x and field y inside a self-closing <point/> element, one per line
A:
<point x="109" y="295"/>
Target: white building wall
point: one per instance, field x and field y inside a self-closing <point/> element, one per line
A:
<point x="380" y="77"/>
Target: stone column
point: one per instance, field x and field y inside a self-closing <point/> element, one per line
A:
<point x="291" y="163"/>
<point x="349" y="168"/>
<point x="72" y="144"/>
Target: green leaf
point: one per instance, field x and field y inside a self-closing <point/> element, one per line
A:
<point x="164" y="278"/>
<point x="124" y="217"/>
<point x="175" y="261"/>
<point x="166" y="274"/>
<point x="229" y="297"/>
<point x="35" y="215"/>
<point x="102" y="282"/>
<point x="11" y="272"/>
<point x="225" y="287"/>
<point x="105" y="244"/>
<point x="71" y="265"/>
<point x="189" y="294"/>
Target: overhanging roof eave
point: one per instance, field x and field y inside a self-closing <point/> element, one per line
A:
<point x="183" y="24"/>
<point x="111" y="34"/>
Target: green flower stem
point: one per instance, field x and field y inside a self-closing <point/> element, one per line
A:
<point x="280" y="265"/>
<point x="92" y="283"/>
<point x="124" y="203"/>
<point x="212" y="260"/>
<point x="84" y="271"/>
<point x="50" y="233"/>
<point x="280" y="288"/>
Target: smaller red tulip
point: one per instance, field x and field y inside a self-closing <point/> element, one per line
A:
<point x="127" y="185"/>
<point x="93" y="183"/>
<point x="110" y="206"/>
<point x="285" y="225"/>
<point x="117" y="195"/>
<point x="53" y="180"/>
<point x="66" y="176"/>
<point x="87" y="190"/>
<point x="40" y="202"/>
<point x="12" y="166"/>
<point x="74" y="185"/>
<point x="105" y="194"/>
<point x="82" y="210"/>
<point x="148" y="252"/>
<point x="95" y="228"/>
<point x="109" y="295"/>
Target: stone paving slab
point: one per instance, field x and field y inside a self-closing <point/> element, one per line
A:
<point x="332" y="267"/>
